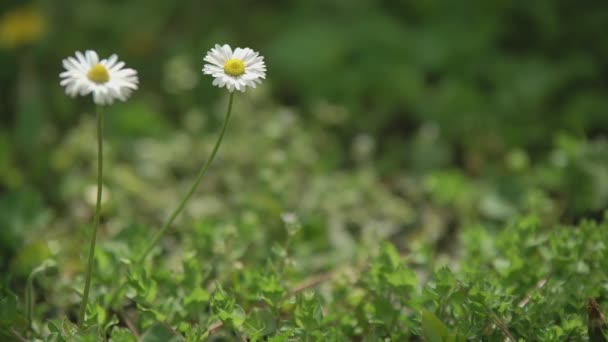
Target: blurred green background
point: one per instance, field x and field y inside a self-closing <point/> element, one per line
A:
<point x="384" y="118"/>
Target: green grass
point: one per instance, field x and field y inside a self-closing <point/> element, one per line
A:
<point x="433" y="172"/>
<point x="283" y="241"/>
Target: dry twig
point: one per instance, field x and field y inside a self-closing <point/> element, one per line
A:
<point x="596" y="326"/>
<point x="18" y="335"/>
<point x="130" y="325"/>
<point x="539" y="285"/>
<point x="502" y="326"/>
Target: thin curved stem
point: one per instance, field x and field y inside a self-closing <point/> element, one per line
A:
<point x="91" y="259"/>
<point x="182" y="204"/>
<point x="199" y="178"/>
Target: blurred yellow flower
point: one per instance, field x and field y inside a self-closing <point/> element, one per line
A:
<point x="21" y="26"/>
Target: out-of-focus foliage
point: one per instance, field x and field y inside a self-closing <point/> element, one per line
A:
<point x="409" y="171"/>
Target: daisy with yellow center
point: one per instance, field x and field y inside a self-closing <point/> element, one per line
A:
<point x="236" y="69"/>
<point x="106" y="79"/>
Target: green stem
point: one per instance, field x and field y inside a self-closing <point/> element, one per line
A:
<point x="29" y="299"/>
<point x="199" y="178"/>
<point x="180" y="207"/>
<point x="87" y="284"/>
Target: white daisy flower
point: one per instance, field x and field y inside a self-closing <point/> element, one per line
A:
<point x="236" y="69"/>
<point x="105" y="78"/>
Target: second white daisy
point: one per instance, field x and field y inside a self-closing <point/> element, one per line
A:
<point x="236" y="69"/>
<point x="105" y="79"/>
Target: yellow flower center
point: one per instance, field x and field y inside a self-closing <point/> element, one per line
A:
<point x="234" y="67"/>
<point x="98" y="74"/>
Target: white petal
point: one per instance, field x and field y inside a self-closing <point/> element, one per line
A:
<point x="121" y="84"/>
<point x="91" y="57"/>
<point x="110" y="62"/>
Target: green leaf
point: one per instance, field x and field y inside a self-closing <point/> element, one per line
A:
<point x="68" y="328"/>
<point x="194" y="273"/>
<point x="389" y="257"/>
<point x="197" y="300"/>
<point x="90" y="334"/>
<point x="401" y="278"/>
<point x="260" y="322"/>
<point x="308" y="313"/>
<point x="233" y="319"/>
<point x="145" y="287"/>
<point x="10" y="313"/>
<point x="271" y="289"/>
<point x="120" y="334"/>
<point x="433" y="329"/>
<point x="29" y="287"/>
<point x="160" y="333"/>
<point x="112" y="322"/>
<point x="159" y="316"/>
